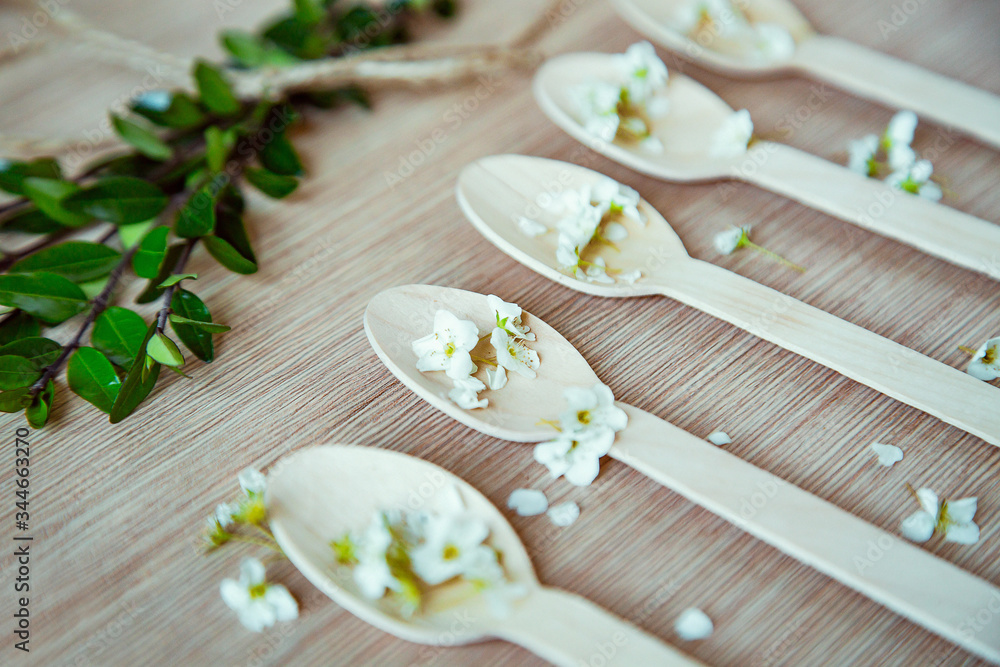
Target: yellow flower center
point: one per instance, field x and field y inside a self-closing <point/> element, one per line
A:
<point x="258" y="590"/>
<point x="583" y="416"/>
<point x="450" y="552"/>
<point x="991" y="354"/>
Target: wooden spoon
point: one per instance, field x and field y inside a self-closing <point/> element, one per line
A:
<point x="494" y="191"/>
<point x="864" y="72"/>
<point x="317" y="494"/>
<point x="903" y="577"/>
<point x="686" y="133"/>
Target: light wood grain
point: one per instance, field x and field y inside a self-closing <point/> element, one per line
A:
<point x="688" y="130"/>
<point x="117" y="509"/>
<point x="359" y="481"/>
<point x="849" y="66"/>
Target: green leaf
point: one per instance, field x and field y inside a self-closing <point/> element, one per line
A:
<point x="176" y="110"/>
<point x="49" y="297"/>
<point x="177" y="277"/>
<point x="197" y="218"/>
<point x="211" y="327"/>
<point x="137" y="384"/>
<point x="92" y="377"/>
<point x="38" y="412"/>
<point x="215" y="92"/>
<point x="48" y="195"/>
<point x="253" y="51"/>
<point x="15" y="400"/>
<point x="94" y="287"/>
<point x="31" y="221"/>
<point x="39" y="351"/>
<point x="153" y="289"/>
<point x="17" y="326"/>
<point x="143" y="138"/>
<point x="121" y="200"/>
<point x="309" y="12"/>
<point x="279" y="156"/>
<point x="78" y="261"/>
<point x="12" y="174"/>
<point x="129" y="235"/>
<point x="164" y="350"/>
<point x="120" y="334"/>
<point x="17" y="372"/>
<point x="218" y="145"/>
<point x="152" y="250"/>
<point x="298" y="37"/>
<point x="271" y="184"/>
<point x="190" y="308"/>
<point x="230" y="245"/>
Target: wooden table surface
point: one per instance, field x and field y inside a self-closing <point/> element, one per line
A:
<point x="117" y="578"/>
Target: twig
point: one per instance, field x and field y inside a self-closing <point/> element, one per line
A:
<point x="98" y="305"/>
<point x="168" y="294"/>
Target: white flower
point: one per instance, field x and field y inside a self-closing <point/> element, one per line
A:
<point x="225" y="513"/>
<point x="916" y="179"/>
<point x="508" y="316"/>
<point x="861" y="155"/>
<point x="643" y="71"/>
<point x="693" y="624"/>
<point x="577" y="227"/>
<point x="630" y="276"/>
<point x="372" y="573"/>
<point x="597" y="272"/>
<point x="576" y="456"/>
<point x="733" y="135"/>
<point x="258" y="604"/>
<point x="448" y="348"/>
<point x="465" y="393"/>
<point x="954" y="519"/>
<point x="610" y="196"/>
<point x="530" y="227"/>
<point x="719" y="438"/>
<point x="252" y="481"/>
<point x="564" y="514"/>
<point x="453" y="546"/>
<point x="591" y="409"/>
<point x="614" y="232"/>
<point x="773" y="42"/>
<point x="901" y="157"/>
<point x="726" y="242"/>
<point x="596" y="105"/>
<point x="722" y="15"/>
<point x="514" y="355"/>
<point x="900" y="130"/>
<point x="985" y="363"/>
<point x="887" y="454"/>
<point x="527" y="502"/>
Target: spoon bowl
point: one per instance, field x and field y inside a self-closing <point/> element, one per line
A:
<point x="685" y="131"/>
<point x="317" y="494"/>
<point x="656" y="18"/>
<point x="398" y="316"/>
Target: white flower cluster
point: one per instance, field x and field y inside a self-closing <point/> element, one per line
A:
<point x="250" y="509"/>
<point x="729" y="29"/>
<point x="985" y="363"/>
<point x="450" y="347"/>
<point x="952" y="519"/>
<point x="586" y="432"/>
<point x="624" y="108"/>
<point x="870" y="154"/>
<point x="733" y="136"/>
<point x="587" y="215"/>
<point x="404" y="553"/>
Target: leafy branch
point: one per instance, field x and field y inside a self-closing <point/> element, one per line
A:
<point x="179" y="186"/>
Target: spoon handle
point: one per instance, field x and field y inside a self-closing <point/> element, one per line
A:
<point x="902" y="85"/>
<point x="931" y="227"/>
<point x="569" y="630"/>
<point x="905" y="578"/>
<point x="886" y="366"/>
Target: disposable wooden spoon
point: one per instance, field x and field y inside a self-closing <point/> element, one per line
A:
<point x="686" y="132"/>
<point x="317" y="494"/>
<point x="904" y="578"/>
<point x="494" y="192"/>
<point x="865" y="72"/>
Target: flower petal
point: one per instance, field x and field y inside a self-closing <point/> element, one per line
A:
<point x="918" y="527"/>
<point x="693" y="624"/>
<point x="962" y="510"/>
<point x="961" y="533"/>
<point x="528" y="502"/>
<point x="284" y="605"/>
<point x="252" y="572"/>
<point x="564" y="514"/>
